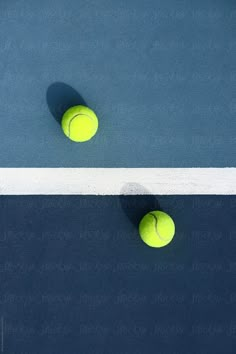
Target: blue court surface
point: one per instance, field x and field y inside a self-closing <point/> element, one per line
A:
<point x="75" y="277"/>
<point x="160" y="74"/>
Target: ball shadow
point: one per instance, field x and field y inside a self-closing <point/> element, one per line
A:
<point x="61" y="97"/>
<point x="136" y="201"/>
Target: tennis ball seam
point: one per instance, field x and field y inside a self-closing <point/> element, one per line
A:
<point x="156" y="225"/>
<point x="79" y="114"/>
<point x="161" y="238"/>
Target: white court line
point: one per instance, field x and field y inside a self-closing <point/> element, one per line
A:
<point x="115" y="181"/>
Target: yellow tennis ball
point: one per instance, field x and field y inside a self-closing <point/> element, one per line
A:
<point x="79" y="123"/>
<point x="157" y="229"/>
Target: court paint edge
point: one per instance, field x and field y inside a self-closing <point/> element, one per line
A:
<point x="117" y="181"/>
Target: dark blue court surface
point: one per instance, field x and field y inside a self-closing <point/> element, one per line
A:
<point x="76" y="278"/>
<point x="159" y="73"/>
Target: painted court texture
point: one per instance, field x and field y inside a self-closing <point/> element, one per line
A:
<point x="159" y="74"/>
<point x="74" y="275"/>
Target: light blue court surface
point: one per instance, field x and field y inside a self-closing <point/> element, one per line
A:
<point x="161" y="75"/>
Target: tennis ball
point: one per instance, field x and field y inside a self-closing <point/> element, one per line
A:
<point x="157" y="229"/>
<point x="79" y="123"/>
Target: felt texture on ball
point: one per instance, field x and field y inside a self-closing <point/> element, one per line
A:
<point x="79" y="123"/>
<point x="157" y="229"/>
